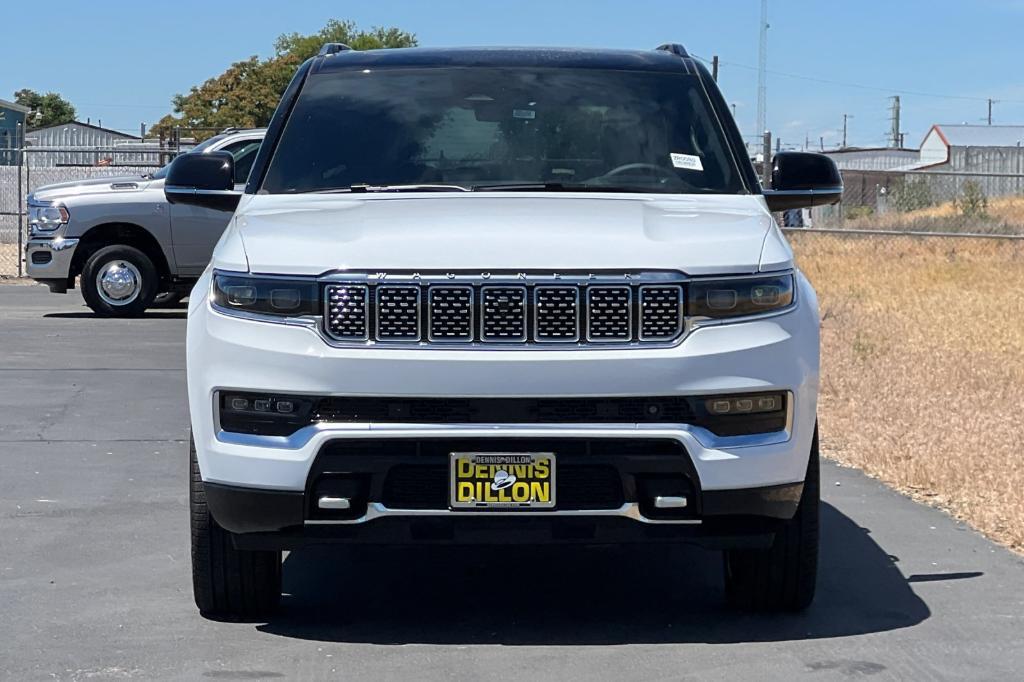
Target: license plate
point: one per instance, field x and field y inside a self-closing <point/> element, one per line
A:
<point x="502" y="480"/>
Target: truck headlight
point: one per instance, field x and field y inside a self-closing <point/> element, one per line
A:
<point x="737" y="297"/>
<point x="277" y="296"/>
<point x="46" y="217"/>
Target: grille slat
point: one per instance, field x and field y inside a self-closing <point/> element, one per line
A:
<point x="503" y="314"/>
<point x="661" y="314"/>
<point x="570" y="312"/>
<point x="609" y="313"/>
<point x="398" y="313"/>
<point x="558" y="313"/>
<point x="450" y="313"/>
<point x="346" y="311"/>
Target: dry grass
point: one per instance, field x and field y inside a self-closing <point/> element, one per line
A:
<point x="923" y="368"/>
<point x="9" y="255"/>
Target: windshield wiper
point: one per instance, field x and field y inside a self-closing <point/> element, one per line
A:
<point x="556" y="187"/>
<point x="363" y="187"/>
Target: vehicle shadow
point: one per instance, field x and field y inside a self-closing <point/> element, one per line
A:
<point x="577" y="595"/>
<point x="155" y="314"/>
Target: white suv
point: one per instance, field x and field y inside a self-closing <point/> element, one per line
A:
<point x="503" y="296"/>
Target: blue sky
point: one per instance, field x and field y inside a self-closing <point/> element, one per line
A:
<point x="120" y="62"/>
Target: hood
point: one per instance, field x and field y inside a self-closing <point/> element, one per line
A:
<point x="312" y="234"/>
<point x="62" y="190"/>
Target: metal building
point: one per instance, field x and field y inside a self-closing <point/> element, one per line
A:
<point x="966" y="148"/>
<point x="76" y="144"/>
<point x="12" y="128"/>
<point x="872" y="158"/>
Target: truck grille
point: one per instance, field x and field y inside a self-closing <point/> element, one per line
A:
<point x="515" y="314"/>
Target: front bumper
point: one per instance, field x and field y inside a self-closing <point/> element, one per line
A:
<point x="49" y="261"/>
<point x="731" y="519"/>
<point x="776" y="353"/>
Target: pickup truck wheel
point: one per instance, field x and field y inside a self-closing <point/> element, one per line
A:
<point x="119" y="281"/>
<point x="227" y="583"/>
<point x="782" y="577"/>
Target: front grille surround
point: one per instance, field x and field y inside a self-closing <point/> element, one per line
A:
<point x="626" y="310"/>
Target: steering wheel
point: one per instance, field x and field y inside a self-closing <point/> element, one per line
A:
<point x="626" y="168"/>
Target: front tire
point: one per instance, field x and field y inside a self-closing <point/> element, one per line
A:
<point x="227" y="583"/>
<point x="119" y="281"/>
<point x="782" y="577"/>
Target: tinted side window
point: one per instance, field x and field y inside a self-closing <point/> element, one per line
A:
<point x="244" y="153"/>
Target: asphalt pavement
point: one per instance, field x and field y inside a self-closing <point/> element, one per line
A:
<point x="95" y="582"/>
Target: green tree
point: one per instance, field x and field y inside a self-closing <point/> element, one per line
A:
<point x="46" y="110"/>
<point x="247" y="93"/>
<point x="911" y="194"/>
<point x="972" y="202"/>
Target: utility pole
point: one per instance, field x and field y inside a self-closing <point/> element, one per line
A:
<point x="733" y="105"/>
<point x="990" y="103"/>
<point x="821" y="141"/>
<point x="766" y="165"/>
<point x="762" y="71"/>
<point x="807" y="140"/>
<point x="714" y="68"/>
<point x="894" y="135"/>
<point x="845" y="116"/>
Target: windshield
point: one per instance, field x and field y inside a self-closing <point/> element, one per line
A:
<point x="485" y="128"/>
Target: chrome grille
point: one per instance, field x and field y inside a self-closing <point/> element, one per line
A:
<point x="661" y="314"/>
<point x="398" y="313"/>
<point x="346" y="311"/>
<point x="503" y="314"/>
<point x="609" y="314"/>
<point x="557" y="311"/>
<point x="450" y="317"/>
<point x="438" y="309"/>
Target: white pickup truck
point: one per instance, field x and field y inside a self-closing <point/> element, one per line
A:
<point x="503" y="296"/>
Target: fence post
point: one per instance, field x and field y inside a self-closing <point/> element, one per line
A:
<point x="21" y="246"/>
<point x="766" y="165"/>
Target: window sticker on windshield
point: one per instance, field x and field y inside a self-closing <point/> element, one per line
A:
<point x="687" y="161"/>
<point x="524" y="113"/>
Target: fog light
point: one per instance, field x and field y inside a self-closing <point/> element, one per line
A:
<point x="744" y="405"/>
<point x="261" y="405"/>
<point x="285" y="406"/>
<point x="719" y="406"/>
<point x="239" y="404"/>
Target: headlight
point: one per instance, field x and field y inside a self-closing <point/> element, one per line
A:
<point x="278" y="296"/>
<point x="740" y="296"/>
<point x="46" y="217"/>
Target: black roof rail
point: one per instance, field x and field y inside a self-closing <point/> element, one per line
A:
<point x="333" y="48"/>
<point x="675" y="48"/>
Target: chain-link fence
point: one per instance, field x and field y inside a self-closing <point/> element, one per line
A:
<point x="31" y="168"/>
<point x="928" y="201"/>
<point x="878" y="201"/>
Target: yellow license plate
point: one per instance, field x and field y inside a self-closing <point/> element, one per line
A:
<point x="502" y="480"/>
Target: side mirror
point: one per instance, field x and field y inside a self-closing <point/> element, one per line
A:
<point x="205" y="180"/>
<point x="802" y="180"/>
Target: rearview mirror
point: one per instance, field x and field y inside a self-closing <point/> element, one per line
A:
<point x="802" y="180"/>
<point x="205" y="180"/>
